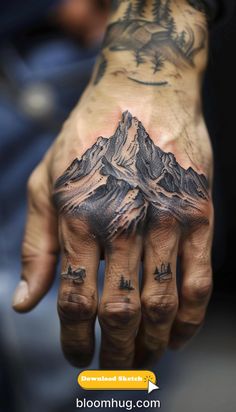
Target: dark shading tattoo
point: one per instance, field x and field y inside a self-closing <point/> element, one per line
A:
<point x="163" y="273"/>
<point x="126" y="183"/>
<point x="77" y="275"/>
<point x="125" y="284"/>
<point x="155" y="42"/>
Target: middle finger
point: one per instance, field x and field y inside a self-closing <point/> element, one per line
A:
<point x="119" y="309"/>
<point x="159" y="295"/>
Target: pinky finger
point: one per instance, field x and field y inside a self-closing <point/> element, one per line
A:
<point x="196" y="286"/>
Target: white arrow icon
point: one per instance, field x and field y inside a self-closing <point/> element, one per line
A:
<point x="152" y="386"/>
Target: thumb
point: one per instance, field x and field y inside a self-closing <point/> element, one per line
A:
<point x="40" y="244"/>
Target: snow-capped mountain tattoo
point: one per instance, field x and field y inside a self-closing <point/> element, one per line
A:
<point x="125" y="183"/>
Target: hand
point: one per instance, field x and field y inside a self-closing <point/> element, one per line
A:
<point x="140" y="191"/>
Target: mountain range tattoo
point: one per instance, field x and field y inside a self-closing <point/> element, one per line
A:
<point x="125" y="183"/>
<point x="154" y="41"/>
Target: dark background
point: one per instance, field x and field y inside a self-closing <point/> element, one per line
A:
<point x="219" y="107"/>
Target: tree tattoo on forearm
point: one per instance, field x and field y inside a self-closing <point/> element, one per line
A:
<point x="125" y="184"/>
<point x="155" y="41"/>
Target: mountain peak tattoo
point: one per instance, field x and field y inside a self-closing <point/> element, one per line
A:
<point x="124" y="182"/>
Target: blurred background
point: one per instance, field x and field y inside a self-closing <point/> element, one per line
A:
<point x="47" y="51"/>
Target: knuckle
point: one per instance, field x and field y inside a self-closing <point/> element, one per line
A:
<point x="167" y="220"/>
<point x="197" y="289"/>
<point x="165" y="224"/>
<point x="165" y="237"/>
<point x="159" y="309"/>
<point x="73" y="306"/>
<point x="190" y="325"/>
<point x="119" y="315"/>
<point x="72" y="228"/>
<point x="186" y="327"/>
<point x="155" y="343"/>
<point x="202" y="217"/>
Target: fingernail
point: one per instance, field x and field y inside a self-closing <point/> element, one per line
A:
<point x="21" y="293"/>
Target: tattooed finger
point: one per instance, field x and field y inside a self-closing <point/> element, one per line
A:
<point x="77" y="297"/>
<point x="119" y="311"/>
<point x="196" y="285"/>
<point x="159" y="297"/>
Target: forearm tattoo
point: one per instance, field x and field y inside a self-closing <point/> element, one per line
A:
<point x="125" y="184"/>
<point x="163" y="273"/>
<point x="76" y="275"/>
<point x="157" y="41"/>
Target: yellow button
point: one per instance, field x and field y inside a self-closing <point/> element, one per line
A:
<point x="112" y="379"/>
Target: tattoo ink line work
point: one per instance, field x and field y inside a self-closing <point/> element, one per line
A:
<point x="148" y="83"/>
<point x="155" y="41"/>
<point x="125" y="184"/>
<point x="163" y="274"/>
<point x="125" y="284"/>
<point x="77" y="275"/>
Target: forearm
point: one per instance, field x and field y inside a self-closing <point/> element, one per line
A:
<point x="157" y="44"/>
<point x="152" y="64"/>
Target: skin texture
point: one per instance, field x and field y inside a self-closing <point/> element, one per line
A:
<point x="128" y="180"/>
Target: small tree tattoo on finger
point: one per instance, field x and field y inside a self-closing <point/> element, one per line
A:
<point x="125" y="284"/>
<point x="76" y="275"/>
<point x="163" y="274"/>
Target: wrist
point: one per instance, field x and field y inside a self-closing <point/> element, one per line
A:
<point x="165" y="110"/>
<point x="168" y="117"/>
